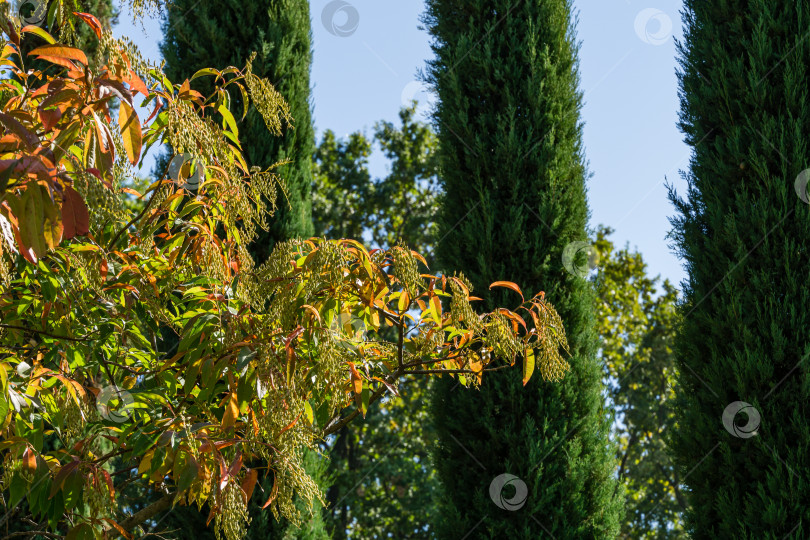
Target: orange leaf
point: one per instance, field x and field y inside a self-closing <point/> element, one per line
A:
<point x="249" y="483"/>
<point x="52" y="52"/>
<point x="118" y="528"/>
<point x="273" y="493"/>
<point x="29" y="460"/>
<point x="290" y="425"/>
<point x="138" y="85"/>
<point x="357" y="380"/>
<point x="312" y="310"/>
<point x="508" y="285"/>
<point x="236" y="466"/>
<point x="420" y="258"/>
<point x="462" y="285"/>
<point x="231" y="412"/>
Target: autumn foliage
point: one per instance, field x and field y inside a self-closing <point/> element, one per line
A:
<point x="145" y="346"/>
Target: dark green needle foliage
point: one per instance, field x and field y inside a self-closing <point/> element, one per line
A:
<point x="742" y="231"/>
<point x="225" y="33"/>
<point x="513" y="173"/>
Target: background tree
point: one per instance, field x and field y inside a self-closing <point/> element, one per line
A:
<point x="221" y="34"/>
<point x="383" y="479"/>
<point x="513" y="174"/>
<point x="401" y="205"/>
<point x="342" y="187"/>
<point x="636" y="323"/>
<point x="742" y="231"/>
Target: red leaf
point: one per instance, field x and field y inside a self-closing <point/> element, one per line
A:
<point x="75" y="217"/>
<point x="233" y="470"/>
<point x="91" y="21"/>
<point x="249" y="483"/>
<point x="50" y="118"/>
<point x="14" y="126"/>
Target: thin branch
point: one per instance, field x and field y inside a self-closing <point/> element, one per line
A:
<point x="400" y="343"/>
<point x="42" y="332"/>
<point x="453" y="371"/>
<point x="141" y="214"/>
<point x="164" y="503"/>
<point x="33" y="533"/>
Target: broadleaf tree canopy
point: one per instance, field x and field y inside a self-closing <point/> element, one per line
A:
<point x="266" y="359"/>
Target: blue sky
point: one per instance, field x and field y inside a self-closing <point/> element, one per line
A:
<point x="367" y="55"/>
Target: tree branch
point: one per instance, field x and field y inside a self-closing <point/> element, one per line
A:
<point x="42" y="332"/>
<point x="164" y="503"/>
<point x="33" y="533"/>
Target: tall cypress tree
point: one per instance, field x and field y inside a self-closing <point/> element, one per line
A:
<point x="225" y="33"/>
<point x="742" y="232"/>
<point x="514" y="176"/>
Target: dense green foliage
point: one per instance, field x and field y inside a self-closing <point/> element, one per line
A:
<point x="636" y="323"/>
<point x="384" y="484"/>
<point x="225" y="33"/>
<point x="513" y="173"/>
<point x="742" y="233"/>
<point x="349" y="203"/>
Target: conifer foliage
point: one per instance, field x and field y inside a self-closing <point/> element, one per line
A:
<point x="742" y="438"/>
<point x="513" y="173"/>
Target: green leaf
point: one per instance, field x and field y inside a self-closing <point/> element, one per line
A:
<point x="82" y="531"/>
<point x="187" y="475"/>
<point x="17" y="489"/>
<point x="203" y="72"/>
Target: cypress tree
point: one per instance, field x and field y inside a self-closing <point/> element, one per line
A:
<point x="513" y="172"/>
<point x="742" y="231"/>
<point x="225" y="33"/>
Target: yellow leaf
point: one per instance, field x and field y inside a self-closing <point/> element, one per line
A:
<point x="528" y="366"/>
<point x="436" y="309"/>
<point x="130" y="131"/>
<point x="32" y="219"/>
<point x="404" y="301"/>
<point x="52" y="228"/>
<point x="230" y="121"/>
<point x="146" y="462"/>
